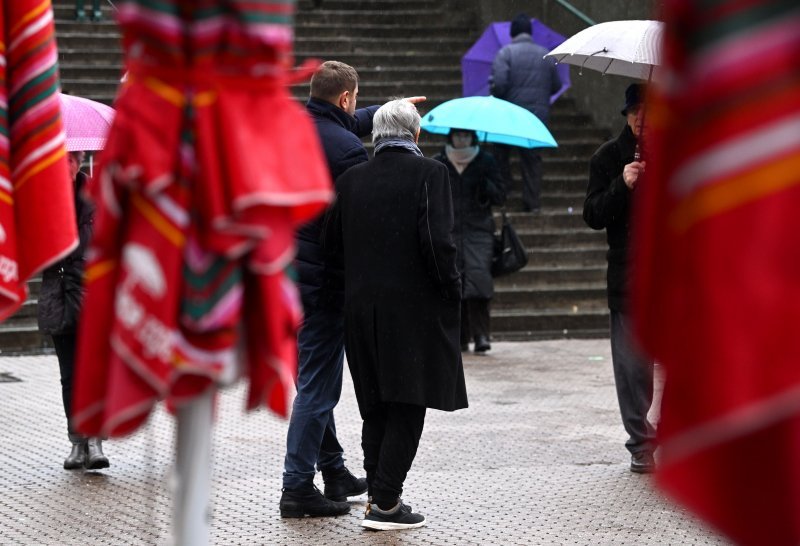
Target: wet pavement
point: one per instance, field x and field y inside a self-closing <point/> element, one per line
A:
<point x="538" y="458"/>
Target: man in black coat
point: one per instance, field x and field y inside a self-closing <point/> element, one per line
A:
<point x="393" y="220"/>
<point x="311" y="439"/>
<point x="521" y="75"/>
<point x="613" y="176"/>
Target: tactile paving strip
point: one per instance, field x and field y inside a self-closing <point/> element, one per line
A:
<point x="538" y="458"/>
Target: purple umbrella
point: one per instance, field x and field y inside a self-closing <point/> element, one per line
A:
<point x="476" y="64"/>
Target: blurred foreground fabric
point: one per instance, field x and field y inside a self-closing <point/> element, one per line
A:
<point x="716" y="275"/>
<point x="37" y="212"/>
<point x="208" y="169"/>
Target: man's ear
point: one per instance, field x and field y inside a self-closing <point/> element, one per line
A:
<point x="344" y="99"/>
<point x="416" y="137"/>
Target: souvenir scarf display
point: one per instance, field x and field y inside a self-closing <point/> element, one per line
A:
<point x="37" y="212"/>
<point x="208" y="169"/>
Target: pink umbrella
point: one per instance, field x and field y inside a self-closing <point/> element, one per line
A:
<point x="86" y="122"/>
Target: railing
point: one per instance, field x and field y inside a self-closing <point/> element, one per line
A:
<point x="576" y="12"/>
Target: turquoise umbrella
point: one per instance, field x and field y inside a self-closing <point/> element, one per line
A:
<point x="495" y="120"/>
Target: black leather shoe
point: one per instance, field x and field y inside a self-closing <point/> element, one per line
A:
<point x="482" y="344"/>
<point x="340" y="484"/>
<point x="77" y="456"/>
<point x="308" y="501"/>
<point x="95" y="459"/>
<point x="643" y="463"/>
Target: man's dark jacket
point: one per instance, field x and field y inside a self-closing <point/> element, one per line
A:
<point x="607" y="206"/>
<point x="320" y="279"/>
<point x="521" y="74"/>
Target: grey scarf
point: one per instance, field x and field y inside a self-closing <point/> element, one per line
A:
<point x="397" y="142"/>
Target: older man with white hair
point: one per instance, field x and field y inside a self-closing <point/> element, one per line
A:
<point x="393" y="220"/>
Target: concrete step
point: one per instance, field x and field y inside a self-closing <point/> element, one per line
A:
<point x="460" y="20"/>
<point x="587" y="256"/>
<point x="534" y="298"/>
<point x="560" y="321"/>
<point x="362" y="5"/>
<point x="373" y="89"/>
<point x="19" y="337"/>
<point x="28" y="309"/>
<point x="373" y="73"/>
<point x="309" y="41"/>
<point x="364" y="32"/>
<point x="555" y="238"/>
<point x="586" y="333"/>
<point x="547" y="219"/>
<point x="538" y="275"/>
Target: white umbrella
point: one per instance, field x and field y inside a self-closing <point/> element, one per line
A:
<point x="623" y="48"/>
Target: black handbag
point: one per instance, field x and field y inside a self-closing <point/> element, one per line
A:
<point x="509" y="252"/>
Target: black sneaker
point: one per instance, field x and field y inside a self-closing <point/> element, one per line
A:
<point x="309" y="501"/>
<point x="340" y="484"/>
<point x="399" y="517"/>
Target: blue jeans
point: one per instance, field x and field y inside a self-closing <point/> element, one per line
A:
<point x="633" y="377"/>
<point x="311" y="439"/>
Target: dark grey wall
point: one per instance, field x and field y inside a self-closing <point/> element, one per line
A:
<point x="598" y="95"/>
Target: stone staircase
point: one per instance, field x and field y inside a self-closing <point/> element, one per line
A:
<point x="407" y="48"/>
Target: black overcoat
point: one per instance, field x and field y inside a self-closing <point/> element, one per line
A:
<point x="474" y="191"/>
<point x="607" y="206"/>
<point x="393" y="219"/>
<point x="61" y="293"/>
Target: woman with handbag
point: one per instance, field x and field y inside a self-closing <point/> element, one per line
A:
<point x="476" y="185"/>
<point x="58" y="309"/>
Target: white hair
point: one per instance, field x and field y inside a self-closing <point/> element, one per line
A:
<point x="397" y="118"/>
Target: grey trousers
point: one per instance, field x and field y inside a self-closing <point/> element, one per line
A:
<point x="633" y="376"/>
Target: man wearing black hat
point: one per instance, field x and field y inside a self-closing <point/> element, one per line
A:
<point x="521" y="75"/>
<point x="613" y="176"/>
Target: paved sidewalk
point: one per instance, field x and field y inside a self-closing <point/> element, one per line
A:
<point x="538" y="458"/>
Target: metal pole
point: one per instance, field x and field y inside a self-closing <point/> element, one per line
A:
<point x="193" y="472"/>
<point x="576" y="12"/>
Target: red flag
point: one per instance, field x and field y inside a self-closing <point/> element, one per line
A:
<point x="716" y="278"/>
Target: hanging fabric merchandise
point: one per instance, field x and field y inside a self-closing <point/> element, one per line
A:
<point x="208" y="169"/>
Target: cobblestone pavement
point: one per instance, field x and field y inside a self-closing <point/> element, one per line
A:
<point x="538" y="458"/>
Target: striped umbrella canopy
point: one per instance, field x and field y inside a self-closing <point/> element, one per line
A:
<point x="37" y="214"/>
<point x="622" y="48"/>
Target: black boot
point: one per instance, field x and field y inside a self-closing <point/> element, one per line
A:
<point x="340" y="484"/>
<point x="308" y="501"/>
<point x="77" y="456"/>
<point x="95" y="460"/>
<point x="482" y="344"/>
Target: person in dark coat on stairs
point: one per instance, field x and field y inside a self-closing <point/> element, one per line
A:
<point x="59" y="305"/>
<point x="393" y="219"/>
<point x="476" y="185"/>
<point x="521" y="75"/>
<point x="613" y="176"/>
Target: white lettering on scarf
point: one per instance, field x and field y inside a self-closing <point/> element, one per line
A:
<point x="9" y="270"/>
